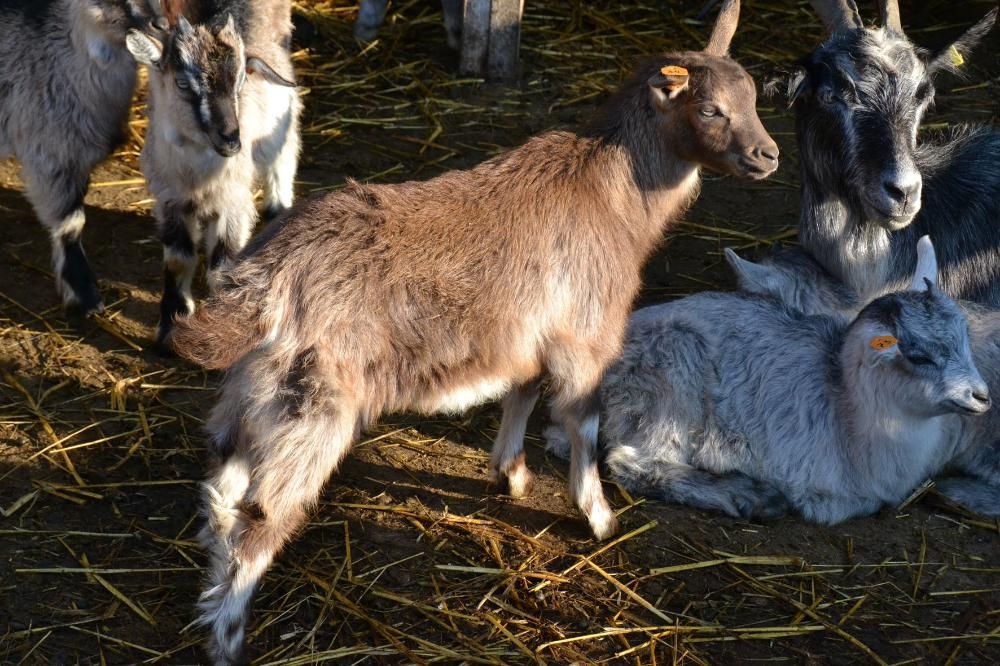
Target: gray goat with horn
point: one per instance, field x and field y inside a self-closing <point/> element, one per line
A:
<point x="738" y="403"/>
<point x="972" y="475"/>
<point x="66" y="83"/>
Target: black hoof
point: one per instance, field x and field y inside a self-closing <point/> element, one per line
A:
<point x="271" y="212"/>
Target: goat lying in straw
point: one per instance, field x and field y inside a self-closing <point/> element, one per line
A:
<point x="738" y="403"/>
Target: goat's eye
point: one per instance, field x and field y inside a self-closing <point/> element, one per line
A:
<point x="709" y="111"/>
<point x="923" y="92"/>
<point x="917" y="358"/>
<point x="183" y="83"/>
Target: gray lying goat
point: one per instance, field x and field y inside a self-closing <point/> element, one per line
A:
<point x="870" y="185"/>
<point x="66" y="82"/>
<point x="796" y="279"/>
<point x="737" y="403"/>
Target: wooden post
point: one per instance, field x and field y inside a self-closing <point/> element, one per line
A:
<point x="475" y="37"/>
<point x="505" y="39"/>
<point x="491" y="38"/>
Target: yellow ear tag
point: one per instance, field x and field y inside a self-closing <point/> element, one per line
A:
<point x="956" y="58"/>
<point x="675" y="70"/>
<point x="881" y="342"/>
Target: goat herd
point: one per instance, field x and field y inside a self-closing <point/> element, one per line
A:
<point x="840" y="377"/>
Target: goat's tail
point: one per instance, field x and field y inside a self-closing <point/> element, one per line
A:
<point x="219" y="333"/>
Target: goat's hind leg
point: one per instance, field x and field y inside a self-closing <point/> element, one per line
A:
<point x="57" y="196"/>
<point x="734" y="494"/>
<point x="279" y="172"/>
<point x="258" y="497"/>
<point x="508" y="469"/>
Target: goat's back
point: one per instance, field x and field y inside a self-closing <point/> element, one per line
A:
<point x="472" y="274"/>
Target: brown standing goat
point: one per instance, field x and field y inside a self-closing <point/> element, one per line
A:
<point x="439" y="295"/>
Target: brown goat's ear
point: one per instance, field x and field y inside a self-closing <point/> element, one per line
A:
<point x="725" y="28"/>
<point x="257" y="66"/>
<point x="668" y="83"/>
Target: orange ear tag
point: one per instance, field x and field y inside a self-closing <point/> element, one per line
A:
<point x="673" y="70"/>
<point x="881" y="342"/>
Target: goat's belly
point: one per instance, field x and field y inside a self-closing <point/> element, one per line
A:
<point x="461" y="397"/>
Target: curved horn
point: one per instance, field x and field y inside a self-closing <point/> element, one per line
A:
<point x="725" y="27"/>
<point x="927" y="271"/>
<point x="888" y="13"/>
<point x="838" y="15"/>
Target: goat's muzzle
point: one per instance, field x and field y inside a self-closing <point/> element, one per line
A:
<point x="227" y="145"/>
<point x="760" y="161"/>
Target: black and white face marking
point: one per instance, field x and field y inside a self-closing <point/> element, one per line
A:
<point x="861" y="99"/>
<point x="209" y="71"/>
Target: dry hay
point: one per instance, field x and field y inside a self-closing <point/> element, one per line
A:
<point x="409" y="559"/>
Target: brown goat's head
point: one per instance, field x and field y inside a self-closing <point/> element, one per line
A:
<point x="199" y="72"/>
<point x="706" y="106"/>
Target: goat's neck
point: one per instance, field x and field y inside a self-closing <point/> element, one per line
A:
<point x="653" y="184"/>
<point x="835" y="230"/>
<point x="887" y="449"/>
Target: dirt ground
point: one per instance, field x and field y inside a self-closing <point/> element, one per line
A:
<point x="409" y="558"/>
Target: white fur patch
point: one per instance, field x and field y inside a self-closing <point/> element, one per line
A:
<point x="603" y="522"/>
<point x="459" y="400"/>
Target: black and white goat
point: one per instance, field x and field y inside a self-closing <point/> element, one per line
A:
<point x="223" y="112"/>
<point x="66" y="83"/>
<point x="869" y="188"/>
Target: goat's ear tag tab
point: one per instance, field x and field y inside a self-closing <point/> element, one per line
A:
<point x="676" y="76"/>
<point x="881" y="342"/>
<point x="956" y="58"/>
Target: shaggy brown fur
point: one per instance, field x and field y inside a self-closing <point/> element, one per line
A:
<point x="435" y="296"/>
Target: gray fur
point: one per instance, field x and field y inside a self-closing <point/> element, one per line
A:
<point x="224" y="113"/>
<point x="796" y="279"/>
<point x="870" y="188"/>
<point x="66" y="82"/>
<point x="738" y="403"/>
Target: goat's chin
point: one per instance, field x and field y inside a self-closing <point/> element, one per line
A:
<point x="741" y="171"/>
<point x="888" y="220"/>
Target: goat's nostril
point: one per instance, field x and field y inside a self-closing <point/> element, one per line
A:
<point x="770" y="153"/>
<point x="981" y="396"/>
<point x="895" y="192"/>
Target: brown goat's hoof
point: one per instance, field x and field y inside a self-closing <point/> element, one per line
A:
<point x="603" y="523"/>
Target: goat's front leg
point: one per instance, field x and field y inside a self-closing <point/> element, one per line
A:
<point x="508" y="469"/>
<point x="580" y="416"/>
<point x="179" y="231"/>
<point x="226" y="234"/>
<point x="56" y="194"/>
